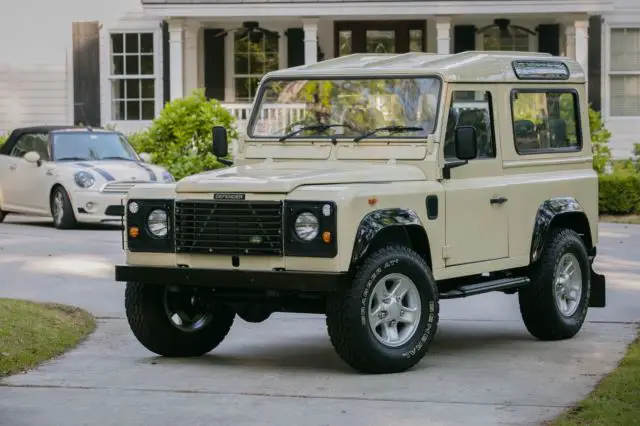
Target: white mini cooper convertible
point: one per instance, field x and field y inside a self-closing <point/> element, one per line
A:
<point x="73" y="174"/>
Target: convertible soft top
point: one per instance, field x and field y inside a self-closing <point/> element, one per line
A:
<point x="17" y="133"/>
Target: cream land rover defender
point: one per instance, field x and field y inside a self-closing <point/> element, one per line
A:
<point x="369" y="188"/>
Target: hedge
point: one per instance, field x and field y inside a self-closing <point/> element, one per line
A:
<point x="620" y="193"/>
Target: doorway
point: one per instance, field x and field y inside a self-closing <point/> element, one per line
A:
<point x="379" y="37"/>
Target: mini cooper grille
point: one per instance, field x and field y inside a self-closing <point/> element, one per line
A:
<point x="121" y="187"/>
<point x="249" y="228"/>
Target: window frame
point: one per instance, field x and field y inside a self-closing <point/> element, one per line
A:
<point x="610" y="28"/>
<point x="491" y="119"/>
<point x="577" y="118"/>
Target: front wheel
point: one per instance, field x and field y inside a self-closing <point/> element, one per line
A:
<point x="385" y="321"/>
<point x="62" y="210"/>
<point x="554" y="306"/>
<point x="176" y="322"/>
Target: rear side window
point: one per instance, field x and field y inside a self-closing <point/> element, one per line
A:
<point x="545" y="121"/>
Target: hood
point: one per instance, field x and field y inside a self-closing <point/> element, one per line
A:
<point x="285" y="177"/>
<point x="119" y="170"/>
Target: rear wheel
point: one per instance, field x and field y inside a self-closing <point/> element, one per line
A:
<point x="176" y="321"/>
<point x="386" y="320"/>
<point x="62" y="210"/>
<point x="554" y="306"/>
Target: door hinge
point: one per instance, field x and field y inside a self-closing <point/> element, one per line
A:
<point x="445" y="252"/>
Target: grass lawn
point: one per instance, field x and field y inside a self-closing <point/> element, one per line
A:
<point x="34" y="332"/>
<point x="615" y="401"/>
<point x="633" y="219"/>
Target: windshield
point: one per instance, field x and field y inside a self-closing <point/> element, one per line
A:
<point x="79" y="146"/>
<point x="352" y="106"/>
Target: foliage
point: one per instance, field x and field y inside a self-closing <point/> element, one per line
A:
<point x="620" y="193"/>
<point x="180" y="137"/>
<point x="600" y="137"/>
<point x="33" y="332"/>
<point x="636" y="149"/>
<point x="3" y="138"/>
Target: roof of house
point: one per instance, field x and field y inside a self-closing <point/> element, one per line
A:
<point x="471" y="66"/>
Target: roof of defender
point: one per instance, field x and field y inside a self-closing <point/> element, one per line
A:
<point x="469" y="67"/>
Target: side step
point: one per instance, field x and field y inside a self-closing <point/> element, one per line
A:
<point x="485" y="287"/>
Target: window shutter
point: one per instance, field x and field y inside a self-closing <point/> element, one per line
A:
<point x="214" y="64"/>
<point x="549" y="39"/>
<point x="295" y="47"/>
<point x="166" y="63"/>
<point x="86" y="73"/>
<point x="464" y="38"/>
<point x="594" y="74"/>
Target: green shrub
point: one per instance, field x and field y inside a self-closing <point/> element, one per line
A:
<point x="600" y="137"/>
<point x="620" y="193"/>
<point x="3" y="138"/>
<point x="180" y="137"/>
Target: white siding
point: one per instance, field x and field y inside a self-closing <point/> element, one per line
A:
<point x="36" y="82"/>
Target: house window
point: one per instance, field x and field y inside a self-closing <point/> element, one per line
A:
<point x="132" y="76"/>
<point x="254" y="56"/>
<point x="517" y="40"/>
<point x="624" y="72"/>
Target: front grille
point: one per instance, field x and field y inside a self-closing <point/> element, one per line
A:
<point x="228" y="227"/>
<point x="121" y="187"/>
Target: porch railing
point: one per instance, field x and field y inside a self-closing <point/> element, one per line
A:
<point x="273" y="116"/>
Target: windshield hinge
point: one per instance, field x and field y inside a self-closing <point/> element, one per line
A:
<point x="445" y="252"/>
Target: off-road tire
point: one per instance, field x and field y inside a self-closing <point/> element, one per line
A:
<point x="537" y="301"/>
<point x="68" y="217"/>
<point x="152" y="327"/>
<point x="348" y="320"/>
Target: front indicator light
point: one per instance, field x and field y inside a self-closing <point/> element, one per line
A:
<point x="134" y="232"/>
<point x="326" y="237"/>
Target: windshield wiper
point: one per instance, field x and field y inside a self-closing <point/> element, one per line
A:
<point x="73" y="159"/>
<point x="391" y="129"/>
<point x="116" y="158"/>
<point x="319" y="127"/>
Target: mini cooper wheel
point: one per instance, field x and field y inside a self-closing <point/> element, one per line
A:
<point x="554" y="306"/>
<point x="62" y="210"/>
<point x="176" y="321"/>
<point x="386" y="320"/>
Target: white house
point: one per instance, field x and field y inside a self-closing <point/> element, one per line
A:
<point x="117" y="62"/>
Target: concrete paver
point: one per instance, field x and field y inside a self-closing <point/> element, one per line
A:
<point x="483" y="368"/>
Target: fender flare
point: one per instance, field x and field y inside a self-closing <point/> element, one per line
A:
<point x="375" y="222"/>
<point x="548" y="211"/>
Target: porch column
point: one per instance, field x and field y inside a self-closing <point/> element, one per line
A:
<point x="191" y="65"/>
<point x="310" y="26"/>
<point x="443" y="35"/>
<point x="582" y="44"/>
<point x="570" y="40"/>
<point x="176" y="82"/>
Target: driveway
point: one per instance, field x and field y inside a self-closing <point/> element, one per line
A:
<point x="483" y="368"/>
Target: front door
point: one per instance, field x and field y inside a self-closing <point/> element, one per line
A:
<point x="379" y="37"/>
<point x="476" y="213"/>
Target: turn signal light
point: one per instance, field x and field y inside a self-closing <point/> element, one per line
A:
<point x="134" y="232"/>
<point x="372" y="201"/>
<point x="326" y="237"/>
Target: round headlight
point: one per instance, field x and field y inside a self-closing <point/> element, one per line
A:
<point x="157" y="223"/>
<point x="84" y="179"/>
<point x="306" y="226"/>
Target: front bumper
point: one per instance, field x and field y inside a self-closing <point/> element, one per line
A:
<point x="233" y="278"/>
<point x="97" y="207"/>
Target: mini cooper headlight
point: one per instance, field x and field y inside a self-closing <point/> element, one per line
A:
<point x="158" y="223"/>
<point x="306" y="226"/>
<point x="84" y="179"/>
<point x="167" y="177"/>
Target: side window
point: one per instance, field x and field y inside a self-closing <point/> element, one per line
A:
<point x="471" y="108"/>
<point x="37" y="142"/>
<point x="545" y="121"/>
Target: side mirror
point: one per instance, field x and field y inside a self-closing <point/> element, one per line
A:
<point x="466" y="142"/>
<point x="32" y="157"/>
<point x="146" y="157"/>
<point x="220" y="143"/>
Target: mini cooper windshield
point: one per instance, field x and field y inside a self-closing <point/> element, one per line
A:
<point x="90" y="146"/>
<point x="403" y="107"/>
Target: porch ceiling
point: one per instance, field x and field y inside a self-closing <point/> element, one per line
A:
<point x="356" y="8"/>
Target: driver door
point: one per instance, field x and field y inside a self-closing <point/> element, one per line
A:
<point x="477" y="220"/>
<point x="27" y="185"/>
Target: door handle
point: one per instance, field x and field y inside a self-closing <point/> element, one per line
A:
<point x="12" y="167"/>
<point x="498" y="200"/>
